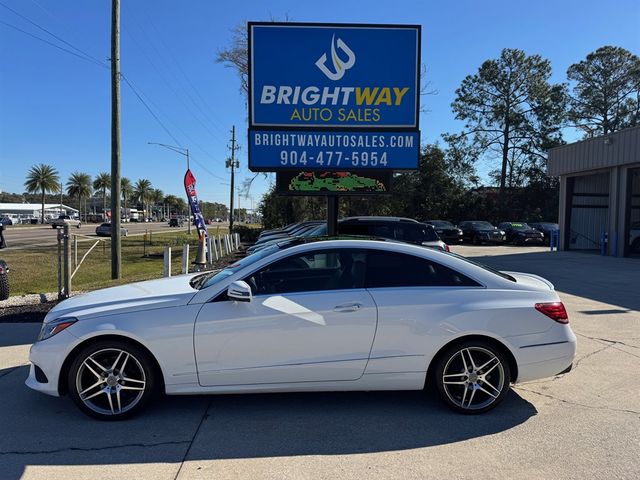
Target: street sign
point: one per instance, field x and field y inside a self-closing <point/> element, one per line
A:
<point x="333" y="182"/>
<point x="333" y="93"/>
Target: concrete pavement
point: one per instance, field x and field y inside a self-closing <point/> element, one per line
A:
<point x="585" y="424"/>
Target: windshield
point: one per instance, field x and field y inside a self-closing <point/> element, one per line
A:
<point x="441" y="223"/>
<point x="211" y="278"/>
<point x="486" y="225"/>
<point x="520" y="226"/>
<point x="417" y="233"/>
<point x="484" y="267"/>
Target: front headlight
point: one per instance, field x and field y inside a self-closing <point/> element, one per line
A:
<point x="54" y="327"/>
<point x="502" y="232"/>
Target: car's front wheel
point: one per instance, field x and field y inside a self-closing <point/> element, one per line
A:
<point x="111" y="380"/>
<point x="472" y="377"/>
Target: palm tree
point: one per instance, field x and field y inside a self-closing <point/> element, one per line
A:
<point x="170" y="201"/>
<point x="79" y="186"/>
<point x="103" y="182"/>
<point x="156" y="197"/>
<point x="142" y="193"/>
<point x="42" y="179"/>
<point x="126" y="190"/>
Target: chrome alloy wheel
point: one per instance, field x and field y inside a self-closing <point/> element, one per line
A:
<point x="473" y="378"/>
<point x="110" y="381"/>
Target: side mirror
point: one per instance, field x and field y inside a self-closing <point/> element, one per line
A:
<point x="239" y="291"/>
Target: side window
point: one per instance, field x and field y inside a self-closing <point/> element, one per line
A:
<point x="383" y="231"/>
<point x="391" y="269"/>
<point x="353" y="229"/>
<point x="314" y="271"/>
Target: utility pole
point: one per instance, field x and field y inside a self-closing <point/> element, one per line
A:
<point x="116" y="270"/>
<point x="185" y="153"/>
<point x="61" y="198"/>
<point x="233" y="164"/>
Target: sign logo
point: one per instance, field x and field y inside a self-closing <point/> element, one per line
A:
<point x="339" y="66"/>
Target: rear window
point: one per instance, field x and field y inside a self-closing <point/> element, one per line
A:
<point x="484" y="267"/>
<point x="392" y="269"/>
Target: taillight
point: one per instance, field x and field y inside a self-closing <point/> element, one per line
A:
<point x="555" y="311"/>
<point x="446" y="248"/>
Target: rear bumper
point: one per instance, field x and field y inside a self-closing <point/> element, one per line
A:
<point x="546" y="360"/>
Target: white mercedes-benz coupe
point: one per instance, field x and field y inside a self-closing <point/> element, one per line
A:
<point x="325" y="315"/>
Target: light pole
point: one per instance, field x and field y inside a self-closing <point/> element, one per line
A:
<point x="184" y="152"/>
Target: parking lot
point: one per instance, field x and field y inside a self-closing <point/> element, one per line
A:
<point x="583" y="424"/>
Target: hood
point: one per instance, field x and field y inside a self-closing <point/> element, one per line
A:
<point x="531" y="281"/>
<point x="165" y="292"/>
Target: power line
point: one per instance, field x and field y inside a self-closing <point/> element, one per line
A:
<point x="135" y="91"/>
<point x="88" y="59"/>
<point x="89" y="56"/>
<point x="165" y="64"/>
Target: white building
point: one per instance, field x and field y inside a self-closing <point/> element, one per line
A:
<point x="24" y="212"/>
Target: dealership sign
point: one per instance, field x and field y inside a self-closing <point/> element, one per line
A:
<point x="333" y="96"/>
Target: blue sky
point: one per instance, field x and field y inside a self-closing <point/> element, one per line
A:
<point x="55" y="108"/>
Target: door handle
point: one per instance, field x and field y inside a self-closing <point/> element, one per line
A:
<point x="348" y="307"/>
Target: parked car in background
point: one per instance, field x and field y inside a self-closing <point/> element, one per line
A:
<point x="520" y="233"/>
<point x="401" y="229"/>
<point x="548" y="228"/>
<point x="447" y="231"/>
<point x="63" y="220"/>
<point x="479" y="231"/>
<point x="104" y="230"/>
<point x="303" y="229"/>
<point x="6" y="221"/>
<point x="175" y="222"/>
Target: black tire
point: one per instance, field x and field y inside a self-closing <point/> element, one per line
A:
<point x="79" y="225"/>
<point x="452" y="360"/>
<point x="475" y="240"/>
<point x="138" y="364"/>
<point x="4" y="286"/>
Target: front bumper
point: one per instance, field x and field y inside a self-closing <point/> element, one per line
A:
<point x="49" y="356"/>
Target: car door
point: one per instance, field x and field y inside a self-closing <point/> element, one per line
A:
<point x="310" y="320"/>
<point x="414" y="295"/>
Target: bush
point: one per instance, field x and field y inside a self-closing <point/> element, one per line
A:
<point x="247" y="234"/>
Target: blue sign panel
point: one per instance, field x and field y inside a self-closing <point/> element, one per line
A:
<point x="273" y="150"/>
<point x="333" y="76"/>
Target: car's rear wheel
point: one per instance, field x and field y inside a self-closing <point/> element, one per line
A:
<point x="472" y="377"/>
<point x="111" y="380"/>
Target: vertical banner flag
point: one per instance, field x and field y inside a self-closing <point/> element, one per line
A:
<point x="190" y="187"/>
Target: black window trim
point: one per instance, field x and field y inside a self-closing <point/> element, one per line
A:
<point x="481" y="284"/>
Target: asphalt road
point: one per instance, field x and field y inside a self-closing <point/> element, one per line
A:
<point x="585" y="424"/>
<point x="39" y="236"/>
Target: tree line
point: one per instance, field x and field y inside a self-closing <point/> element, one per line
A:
<point x="512" y="114"/>
<point x="44" y="181"/>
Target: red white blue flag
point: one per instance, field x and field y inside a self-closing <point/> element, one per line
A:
<point x="190" y="187"/>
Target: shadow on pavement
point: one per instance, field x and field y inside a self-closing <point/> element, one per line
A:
<point x="610" y="280"/>
<point x="39" y="430"/>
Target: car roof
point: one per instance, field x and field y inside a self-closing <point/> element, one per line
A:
<point x="379" y="219"/>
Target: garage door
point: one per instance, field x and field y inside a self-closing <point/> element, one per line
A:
<point x="589" y="216"/>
